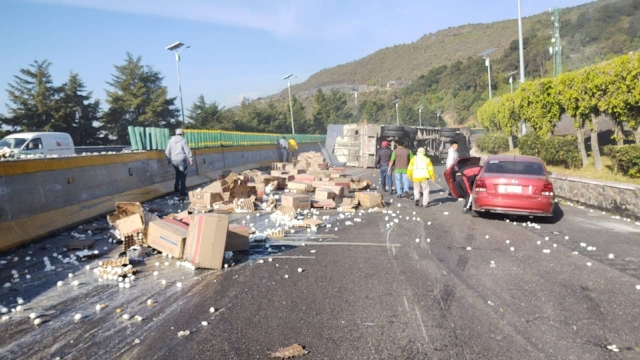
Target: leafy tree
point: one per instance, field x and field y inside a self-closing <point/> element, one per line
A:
<point x="320" y="114"/>
<point x="538" y="105"/>
<point x="374" y="110"/>
<point x="571" y="90"/>
<point x="595" y="89"/>
<point x="137" y="97"/>
<point x="31" y="99"/>
<point x="75" y="112"/>
<point x="508" y="117"/>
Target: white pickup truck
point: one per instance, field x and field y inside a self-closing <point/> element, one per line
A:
<point x="37" y="143"/>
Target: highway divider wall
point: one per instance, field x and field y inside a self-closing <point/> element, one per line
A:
<point x="41" y="196"/>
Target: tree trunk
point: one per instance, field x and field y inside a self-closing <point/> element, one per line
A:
<point x="620" y="133"/>
<point x="595" y="147"/>
<point x="510" y="143"/>
<point x="581" y="147"/>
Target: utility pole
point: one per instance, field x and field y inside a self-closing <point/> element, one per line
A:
<point x="521" y="43"/>
<point x="556" y="49"/>
<point x="288" y="78"/>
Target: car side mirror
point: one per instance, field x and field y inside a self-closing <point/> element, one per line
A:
<point x="549" y="173"/>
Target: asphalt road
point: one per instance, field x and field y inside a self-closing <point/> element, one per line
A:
<point x="442" y="286"/>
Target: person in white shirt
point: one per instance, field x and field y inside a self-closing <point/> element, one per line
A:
<point x="452" y="156"/>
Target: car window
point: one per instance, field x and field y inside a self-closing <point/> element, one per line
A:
<point x="34" y="144"/>
<point x="513" y="167"/>
<point x="12" y="143"/>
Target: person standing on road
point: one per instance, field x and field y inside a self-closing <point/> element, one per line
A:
<point x="383" y="158"/>
<point x="293" y="149"/>
<point x="284" y="149"/>
<point x="452" y="156"/>
<point x="464" y="186"/>
<point x="400" y="159"/>
<point x="420" y="171"/>
<point x="178" y="154"/>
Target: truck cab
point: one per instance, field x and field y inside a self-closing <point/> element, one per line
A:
<point x="38" y="143"/>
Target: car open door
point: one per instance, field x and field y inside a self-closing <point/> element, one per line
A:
<point x="457" y="166"/>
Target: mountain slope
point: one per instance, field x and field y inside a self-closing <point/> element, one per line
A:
<point x="408" y="61"/>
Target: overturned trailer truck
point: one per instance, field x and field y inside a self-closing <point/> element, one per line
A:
<point x="355" y="145"/>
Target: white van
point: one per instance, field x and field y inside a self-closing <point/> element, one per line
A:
<point x="34" y="143"/>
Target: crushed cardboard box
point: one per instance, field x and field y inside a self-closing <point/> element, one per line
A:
<point x="369" y="199"/>
<point x="359" y="185"/>
<point x="205" y="198"/>
<point x="324" y="194"/>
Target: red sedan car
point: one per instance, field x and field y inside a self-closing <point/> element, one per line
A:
<point x="514" y="185"/>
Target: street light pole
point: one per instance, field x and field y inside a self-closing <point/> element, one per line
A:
<point x="174" y="47"/>
<point x="488" y="64"/>
<point x="511" y="83"/>
<point x="420" y="115"/>
<point x="355" y="93"/>
<point x="288" y="78"/>
<point x="521" y="43"/>
<point x="397" y="113"/>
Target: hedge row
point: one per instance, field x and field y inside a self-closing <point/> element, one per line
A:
<point x="625" y="159"/>
<point x="553" y="150"/>
<point x="493" y="143"/>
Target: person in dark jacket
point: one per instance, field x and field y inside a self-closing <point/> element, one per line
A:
<point x="400" y="159"/>
<point x="383" y="158"/>
<point x="464" y="185"/>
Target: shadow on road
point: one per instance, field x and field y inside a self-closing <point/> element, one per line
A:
<point x="558" y="214"/>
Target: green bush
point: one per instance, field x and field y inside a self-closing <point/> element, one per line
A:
<point x="625" y="159"/>
<point x="561" y="151"/>
<point x="493" y="143"/>
<point x="553" y="150"/>
<point x="530" y="144"/>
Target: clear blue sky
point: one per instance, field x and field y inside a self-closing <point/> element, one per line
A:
<point x="239" y="48"/>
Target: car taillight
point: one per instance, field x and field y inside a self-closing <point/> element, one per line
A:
<point x="481" y="185"/>
<point x="547" y="189"/>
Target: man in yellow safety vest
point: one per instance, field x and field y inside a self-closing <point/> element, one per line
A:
<point x="420" y="171"/>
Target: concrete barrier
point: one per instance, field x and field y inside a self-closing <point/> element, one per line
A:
<point x="41" y="196"/>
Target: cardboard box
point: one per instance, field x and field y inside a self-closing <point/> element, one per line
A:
<point x="259" y="189"/>
<point x="237" y="238"/>
<point x="283" y="180"/>
<point x="130" y="224"/>
<point x="330" y="204"/>
<point x="168" y="236"/>
<point x="359" y="185"/>
<point x="369" y="199"/>
<point x="279" y="172"/>
<point x="217" y="187"/>
<point x="305" y="178"/>
<point x="300" y="186"/>
<point x="296" y="201"/>
<point x="337" y="170"/>
<point x="206" y="240"/>
<point x="324" y="194"/>
<point x="340" y="191"/>
<point x="242" y="191"/>
<point x="205" y="198"/>
<point x="350" y="202"/>
<point x="297" y="171"/>
<point x="124" y="209"/>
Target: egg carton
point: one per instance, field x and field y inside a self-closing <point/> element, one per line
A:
<point x="122" y="261"/>
<point x="245" y="204"/>
<point x="275" y="234"/>
<point x="131" y="240"/>
<point x="288" y="212"/>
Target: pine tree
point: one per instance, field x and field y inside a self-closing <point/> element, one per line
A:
<point x="203" y="115"/>
<point x="31" y="98"/>
<point x="76" y="114"/>
<point x="137" y="98"/>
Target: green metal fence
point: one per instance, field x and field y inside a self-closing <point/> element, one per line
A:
<point x="151" y="138"/>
